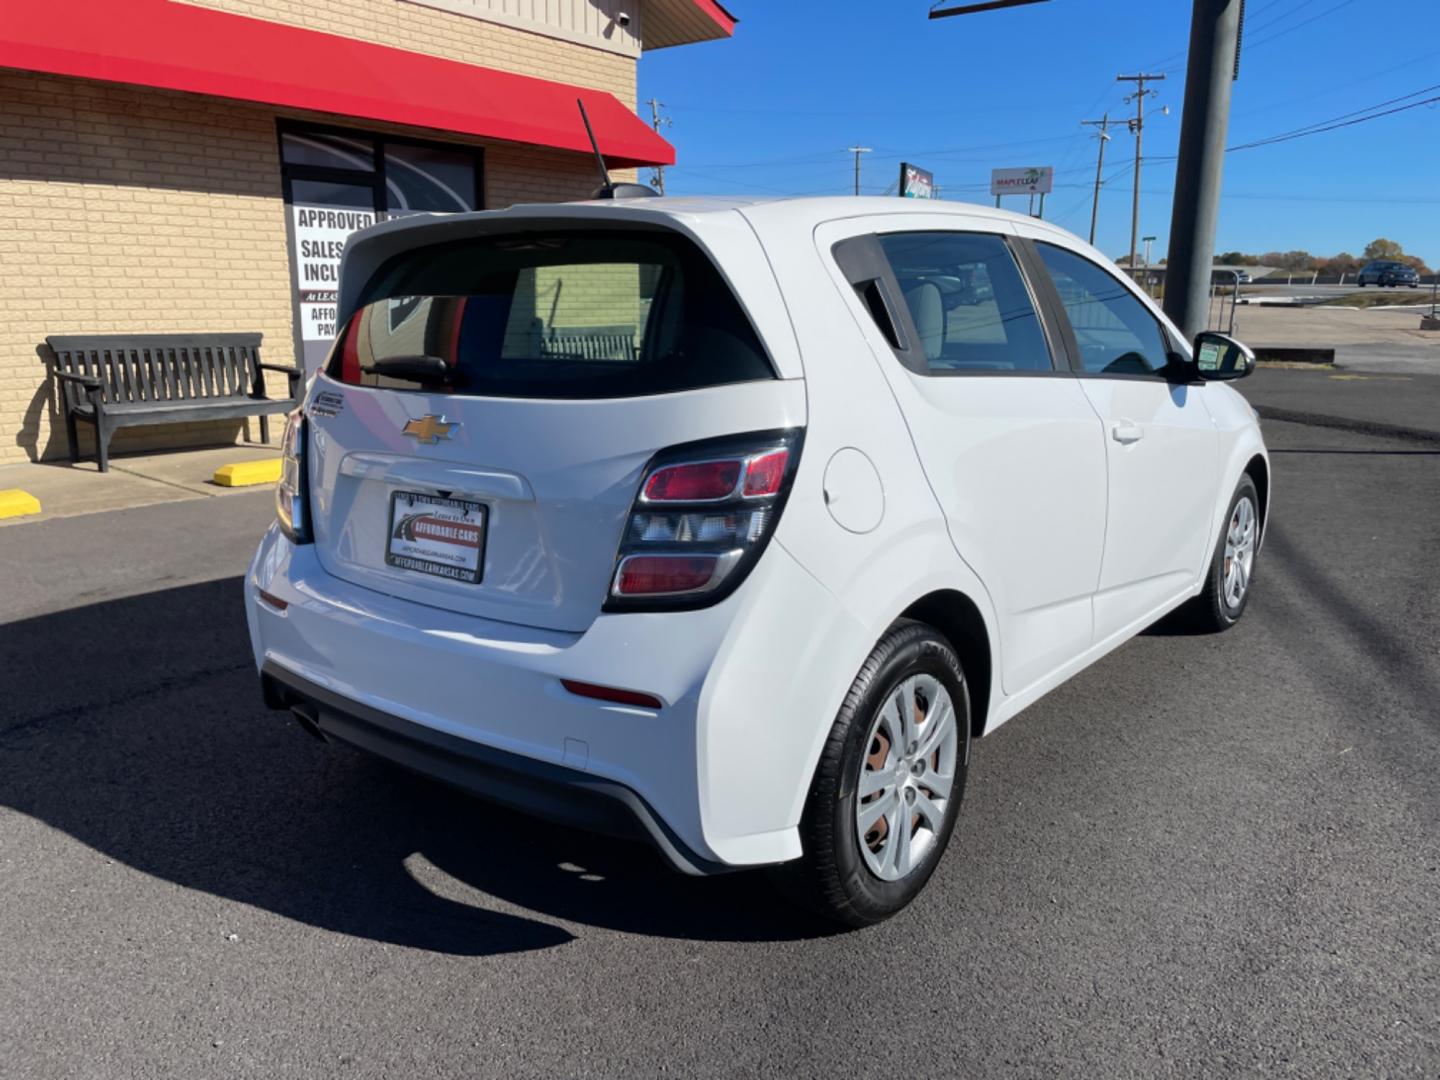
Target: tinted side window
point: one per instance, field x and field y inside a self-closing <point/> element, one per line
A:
<point x="1116" y="333"/>
<point x="970" y="306"/>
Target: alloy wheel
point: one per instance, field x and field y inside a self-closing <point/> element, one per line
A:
<point x="906" y="777"/>
<point x="1239" y="552"/>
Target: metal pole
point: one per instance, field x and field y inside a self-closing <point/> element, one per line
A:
<point x="1042" y="206"/>
<point x="1214" y="42"/>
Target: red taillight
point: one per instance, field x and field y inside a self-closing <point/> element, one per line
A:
<point x="766" y="473"/>
<point x="704" y="481"/>
<point x="610" y="693"/>
<point x="659" y="575"/>
<point x="701" y="519"/>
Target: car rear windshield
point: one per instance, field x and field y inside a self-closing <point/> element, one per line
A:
<point x="579" y="314"/>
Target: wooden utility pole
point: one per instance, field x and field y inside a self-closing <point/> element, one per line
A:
<point x="857" y="151"/>
<point x="1137" y="128"/>
<point x="1103" y="136"/>
<point x="657" y="122"/>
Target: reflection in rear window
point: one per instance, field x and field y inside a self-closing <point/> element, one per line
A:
<point x="549" y="315"/>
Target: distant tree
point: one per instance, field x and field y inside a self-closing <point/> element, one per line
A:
<point x="1420" y="265"/>
<point x="1288" y="260"/>
<point x="1383" y="249"/>
<point x="1343" y="263"/>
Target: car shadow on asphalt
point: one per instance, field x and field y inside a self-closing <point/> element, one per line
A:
<point x="141" y="734"/>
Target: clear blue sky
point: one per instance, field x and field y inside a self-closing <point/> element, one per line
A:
<point x="771" y="110"/>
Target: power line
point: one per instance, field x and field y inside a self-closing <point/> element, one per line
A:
<point x="1360" y="112"/>
<point x="1331" y="88"/>
<point x="1255" y="24"/>
<point x="886" y="154"/>
<point x="1333" y="123"/>
<point x="1344" y="120"/>
<point x="1304" y="22"/>
<point x="1271" y="141"/>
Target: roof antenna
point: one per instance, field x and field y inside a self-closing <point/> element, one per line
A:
<point x="608" y="189"/>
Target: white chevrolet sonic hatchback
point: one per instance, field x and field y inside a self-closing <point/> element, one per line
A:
<point x="730" y="524"/>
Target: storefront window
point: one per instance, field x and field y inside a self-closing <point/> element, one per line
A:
<point x="337" y="182"/>
<point x="428" y="179"/>
<point x="325" y="151"/>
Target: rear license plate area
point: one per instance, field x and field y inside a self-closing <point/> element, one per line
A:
<point x="437" y="535"/>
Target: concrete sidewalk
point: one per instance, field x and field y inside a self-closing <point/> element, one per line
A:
<point x="65" y="490"/>
<point x="1405" y="406"/>
<point x="1375" y="339"/>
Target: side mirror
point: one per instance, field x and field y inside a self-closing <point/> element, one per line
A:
<point x="1219" y="357"/>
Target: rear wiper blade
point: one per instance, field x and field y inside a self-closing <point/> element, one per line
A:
<point x="426" y="369"/>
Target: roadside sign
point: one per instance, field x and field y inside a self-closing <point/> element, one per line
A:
<point x="1036" y="181"/>
<point x="915" y="182"/>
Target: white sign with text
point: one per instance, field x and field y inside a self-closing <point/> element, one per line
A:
<point x="320" y="235"/>
<point x="1037" y="181"/>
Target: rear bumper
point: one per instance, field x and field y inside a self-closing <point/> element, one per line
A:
<point x="719" y="772"/>
<point x="534" y="787"/>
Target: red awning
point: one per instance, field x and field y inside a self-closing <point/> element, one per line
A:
<point x="176" y="46"/>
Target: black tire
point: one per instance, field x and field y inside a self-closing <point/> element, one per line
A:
<point x="1211" y="611"/>
<point x="833" y="878"/>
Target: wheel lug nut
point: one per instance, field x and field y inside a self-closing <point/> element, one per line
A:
<point x="910" y="794"/>
<point x="910" y="750"/>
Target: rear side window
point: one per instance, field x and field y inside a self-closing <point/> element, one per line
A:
<point x="970" y="306"/>
<point x="551" y="315"/>
<point x="1116" y="333"/>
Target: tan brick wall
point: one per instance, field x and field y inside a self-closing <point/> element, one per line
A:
<point x="455" y="37"/>
<point x="124" y="210"/>
<point x="127" y="211"/>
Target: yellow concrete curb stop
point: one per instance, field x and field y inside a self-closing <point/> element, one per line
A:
<point x="246" y="473"/>
<point x="17" y="503"/>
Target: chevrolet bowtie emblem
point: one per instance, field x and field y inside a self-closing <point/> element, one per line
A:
<point x="429" y="429"/>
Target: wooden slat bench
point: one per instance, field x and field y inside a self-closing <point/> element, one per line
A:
<point x="589" y="344"/>
<point x="126" y="380"/>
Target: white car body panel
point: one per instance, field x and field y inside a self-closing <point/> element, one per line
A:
<point x="1039" y="436"/>
<point x="558" y="477"/>
<point x="1007" y="490"/>
<point x="1161" y="488"/>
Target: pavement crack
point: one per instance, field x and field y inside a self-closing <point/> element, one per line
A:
<point x="162" y="686"/>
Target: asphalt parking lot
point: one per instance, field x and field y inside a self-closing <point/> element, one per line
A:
<point x="1203" y="856"/>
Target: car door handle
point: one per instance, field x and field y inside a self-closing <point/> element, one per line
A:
<point x="1126" y="431"/>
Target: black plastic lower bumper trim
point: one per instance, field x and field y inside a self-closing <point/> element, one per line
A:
<point x="554" y="792"/>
